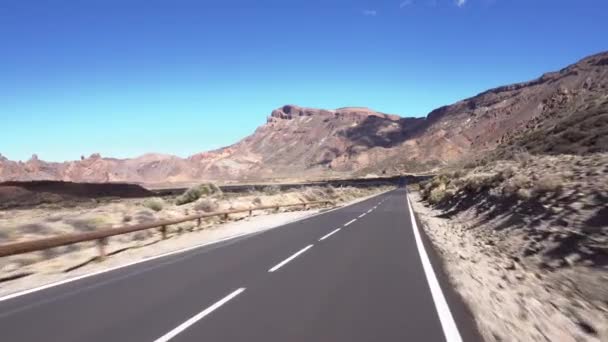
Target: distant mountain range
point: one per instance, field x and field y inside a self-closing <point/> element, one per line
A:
<point x="560" y="112"/>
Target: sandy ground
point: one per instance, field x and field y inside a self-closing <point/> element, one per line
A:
<point x="513" y="299"/>
<point x="83" y="261"/>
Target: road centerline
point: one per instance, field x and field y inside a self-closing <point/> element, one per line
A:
<point x="349" y="222"/>
<point x="171" y="334"/>
<point x="329" y="234"/>
<point x="295" y="255"/>
<point x="360" y="216"/>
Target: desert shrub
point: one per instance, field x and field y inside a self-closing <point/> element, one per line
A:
<point x="195" y="192"/>
<point x="437" y="195"/>
<point x="548" y="184"/>
<point x="155" y="204"/>
<point x="257" y="201"/>
<point x="127" y="218"/>
<point x="271" y="189"/>
<point x="206" y="205"/>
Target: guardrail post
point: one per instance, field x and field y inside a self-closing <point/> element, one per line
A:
<point x="198" y="222"/>
<point x="305" y="206"/>
<point x="226" y="216"/>
<point x="163" y="231"/>
<point x="277" y="208"/>
<point x="101" y="246"/>
<point x="250" y="212"/>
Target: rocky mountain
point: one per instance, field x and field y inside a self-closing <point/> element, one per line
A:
<point x="560" y="112"/>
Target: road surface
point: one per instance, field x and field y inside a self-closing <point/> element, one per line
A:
<point x="358" y="273"/>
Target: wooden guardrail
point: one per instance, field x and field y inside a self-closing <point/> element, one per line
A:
<point x="102" y="235"/>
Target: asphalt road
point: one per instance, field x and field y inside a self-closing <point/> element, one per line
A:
<point x="352" y="274"/>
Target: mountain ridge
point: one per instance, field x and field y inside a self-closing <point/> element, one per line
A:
<point x="305" y="143"/>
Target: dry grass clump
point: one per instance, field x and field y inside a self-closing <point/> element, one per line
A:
<point x="156" y="204"/>
<point x="196" y="192"/>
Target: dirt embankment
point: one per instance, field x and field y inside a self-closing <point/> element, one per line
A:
<point x="526" y="244"/>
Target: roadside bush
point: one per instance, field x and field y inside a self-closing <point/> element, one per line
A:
<point x="257" y="201"/>
<point x="155" y="204"/>
<point x="437" y="195"/>
<point x="206" y="205"/>
<point x="195" y="192"/>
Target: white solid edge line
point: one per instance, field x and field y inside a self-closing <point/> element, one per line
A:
<point x="330" y="234"/>
<point x="171" y="334"/>
<point x="450" y="330"/>
<point x="92" y="274"/>
<point x="349" y="222"/>
<point x="295" y="255"/>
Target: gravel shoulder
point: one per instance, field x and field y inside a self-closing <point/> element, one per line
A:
<point x="514" y="299"/>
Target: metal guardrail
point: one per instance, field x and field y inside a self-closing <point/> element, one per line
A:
<point x="102" y="235"/>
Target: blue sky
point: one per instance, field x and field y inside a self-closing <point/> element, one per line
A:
<point x="125" y="77"/>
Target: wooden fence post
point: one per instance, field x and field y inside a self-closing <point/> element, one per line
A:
<point x="101" y="246"/>
<point x="163" y="231"/>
